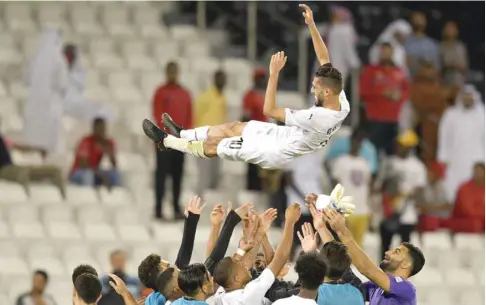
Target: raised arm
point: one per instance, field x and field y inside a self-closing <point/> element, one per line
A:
<point x="216" y="219"/>
<point x="319" y="46"/>
<point x="270" y="108"/>
<point x="268" y="249"/>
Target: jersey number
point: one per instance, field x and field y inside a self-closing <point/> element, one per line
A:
<point x="324" y="143"/>
<point x="236" y="144"/>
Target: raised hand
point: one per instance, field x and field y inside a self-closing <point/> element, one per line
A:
<point x="250" y="225"/>
<point x="308" y="239"/>
<point x="194" y="206"/>
<point x="308" y="15"/>
<point x="311" y="199"/>
<point x="277" y="62"/>
<point x="266" y="219"/>
<point x="245" y="244"/>
<point x="217" y="215"/>
<point x="316" y="217"/>
<point x="335" y="220"/>
<point x="292" y="214"/>
<point x="243" y="210"/>
<point x="118" y="284"/>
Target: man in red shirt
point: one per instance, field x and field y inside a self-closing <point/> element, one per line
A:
<point x="90" y="151"/>
<point x="253" y="110"/>
<point x="173" y="99"/>
<point x="468" y="212"/>
<point x="384" y="88"/>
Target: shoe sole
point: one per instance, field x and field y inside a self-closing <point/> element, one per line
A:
<point x="171" y="125"/>
<point x="150" y="130"/>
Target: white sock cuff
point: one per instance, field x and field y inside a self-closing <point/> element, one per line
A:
<point x="201" y="133"/>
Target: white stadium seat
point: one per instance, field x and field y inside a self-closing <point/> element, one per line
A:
<point x="28" y="231"/>
<point x="63" y="231"/>
<point x="457" y="277"/>
<point x="23" y="214"/>
<point x="166" y="51"/>
<point x="151" y="31"/>
<point x="101" y="45"/>
<point x="81" y="195"/>
<point x="133" y="233"/>
<point x="4" y="232"/>
<point x="106" y="61"/>
<point x="77" y="251"/>
<point x="18" y="17"/>
<point x="129" y="95"/>
<point x="98" y="94"/>
<point x="141" y="62"/>
<point x="99" y="233"/>
<point x="167" y="233"/>
<point x="437" y="241"/>
<point x="10" y="57"/>
<point x="45" y="194"/>
<point x="18" y="91"/>
<point x="134" y="47"/>
<point x="57" y="213"/>
<point x="91" y="215"/>
<point x="428" y="277"/>
<point x="7" y="41"/>
<point x="183" y="32"/>
<point x="13" y="266"/>
<point x="51" y="15"/>
<point x="85" y="21"/>
<point x="53" y="266"/>
<point x="40" y="250"/>
<point x="474" y="242"/>
<point x="117" y="196"/>
<point x="147" y="15"/>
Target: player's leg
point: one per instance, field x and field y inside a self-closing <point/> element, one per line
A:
<point x="228" y="130"/>
<point x="201" y="149"/>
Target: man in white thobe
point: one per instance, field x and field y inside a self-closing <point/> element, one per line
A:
<point x="461" y="139"/>
<point x="47" y="81"/>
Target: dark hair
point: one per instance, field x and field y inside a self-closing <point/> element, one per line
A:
<point x="479" y="164"/>
<point x="331" y="77"/>
<point x="98" y="120"/>
<point x="337" y="259"/>
<point x="163" y="281"/>
<point x="149" y="270"/>
<point x="43" y="274"/>
<point x="192" y="278"/>
<point x="358" y="134"/>
<point x="223" y="271"/>
<point x="219" y="73"/>
<point x="82" y="269"/>
<point x="88" y="287"/>
<point x="418" y="258"/>
<point x="386" y="44"/>
<point x="171" y="64"/>
<point x="311" y="269"/>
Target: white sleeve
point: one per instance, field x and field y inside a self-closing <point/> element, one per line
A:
<point x="421" y="175"/>
<point x="301" y="118"/>
<point x="336" y="169"/>
<point x="255" y="290"/>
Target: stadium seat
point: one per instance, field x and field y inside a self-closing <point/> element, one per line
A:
<point x="24" y="213"/>
<point x="57" y="213"/>
<point x="440" y="296"/>
<point x="9" y="248"/>
<point x="76" y="251"/>
<point x="437" y="240"/>
<point x="106" y="61"/>
<point x="196" y="49"/>
<point x="4" y="299"/>
<point x="291" y="100"/>
<point x="101" y="45"/>
<point x="63" y="231"/>
<point x="13" y="266"/>
<point x="28" y="231"/>
<point x="133" y="234"/>
<point x="259" y="201"/>
<point x="72" y="263"/>
<point x="18" y="91"/>
<point x="98" y="93"/>
<point x="184" y="32"/>
<point x="147" y="15"/>
<point x="99" y="233"/>
<point x="474" y="242"/>
<point x="471" y="296"/>
<point x="239" y="72"/>
<point x="84" y="20"/>
<point x="18" y="18"/>
<point x="81" y="195"/>
<point x="45" y="194"/>
<point x="10" y="57"/>
<point x="133" y="47"/>
<point x="51" y="16"/>
<point x="4" y="231"/>
<point x="167" y="233"/>
<point x="428" y="277"/>
<point x="117" y="196"/>
<point x="457" y="277"/>
<point x="91" y="215"/>
<point x="167" y="51"/>
<point x="151" y="31"/>
<point x="7" y="41"/>
<point x="53" y="266"/>
<point x="39" y="250"/>
<point x="139" y="62"/>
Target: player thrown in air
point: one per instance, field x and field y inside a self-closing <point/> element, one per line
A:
<point x="266" y="144"/>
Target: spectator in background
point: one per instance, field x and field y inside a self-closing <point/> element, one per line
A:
<point x="395" y="34"/>
<point x="429" y="102"/>
<point x="468" y="212"/>
<point x="384" y="89"/>
<point x="354" y="173"/>
<point x="420" y="48"/>
<point x="175" y="100"/>
<point x="210" y="110"/>
<point x="303" y="176"/>
<point x="86" y="169"/>
<point x="37" y="295"/>
<point x="47" y="81"/>
<point x="461" y="139"/>
<point x="406" y="177"/>
<point x="253" y="110"/>
<point x="342" y="40"/>
<point x="434" y="207"/>
<point x="24" y="174"/>
<point x="341" y="146"/>
<point x="110" y="297"/>
<point x="453" y="55"/>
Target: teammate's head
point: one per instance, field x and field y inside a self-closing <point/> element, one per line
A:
<point x="260" y="262"/>
<point x="87" y="290"/>
<point x="478" y="174"/>
<point x="168" y="285"/>
<point x="70" y="54"/>
<point x="260" y="79"/>
<point x="405" y="260"/>
<point x="450" y="31"/>
<point x="172" y="72"/>
<point x="195" y="281"/>
<point x="386" y="54"/>
<point x="99" y="127"/>
<point x="82" y="269"/>
<point x="337" y="259"/>
<point x="118" y="261"/>
<point x="467" y="97"/>
<point x="150" y="269"/>
<point x="230" y="274"/>
<point x="418" y="21"/>
<point x="327" y="82"/>
<point x="220" y="79"/>
<point x="39" y="281"/>
<point x="311" y="269"/>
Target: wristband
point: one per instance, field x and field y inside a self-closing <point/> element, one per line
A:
<point x="240" y="252"/>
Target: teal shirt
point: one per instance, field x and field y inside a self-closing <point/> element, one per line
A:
<point x="184" y="301"/>
<point x="342" y="294"/>
<point x="155" y="298"/>
<point x="341" y="146"/>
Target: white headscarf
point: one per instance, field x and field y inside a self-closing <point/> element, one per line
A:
<point x="388" y="35"/>
<point x="478" y="102"/>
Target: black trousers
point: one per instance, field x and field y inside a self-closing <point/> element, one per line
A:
<point x="253" y="182"/>
<point x="383" y="136"/>
<point x="386" y="236"/>
<point x="169" y="163"/>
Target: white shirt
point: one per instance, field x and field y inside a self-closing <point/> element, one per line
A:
<point x="295" y="300"/>
<point x="311" y="129"/>
<point x="413" y="174"/>
<point x="354" y="174"/>
<point x="253" y="293"/>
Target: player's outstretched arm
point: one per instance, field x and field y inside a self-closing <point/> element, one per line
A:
<point x="270" y="108"/>
<point x="319" y="46"/>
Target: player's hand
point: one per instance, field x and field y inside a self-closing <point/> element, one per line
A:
<point x="217" y="215"/>
<point x="335" y="220"/>
<point x="141" y="300"/>
<point x="118" y="284"/>
<point x="317" y="219"/>
<point x="266" y="219"/>
<point x="308" y="15"/>
<point x="277" y="62"/>
<point x="337" y="200"/>
<point x="194" y="206"/>
<point x="308" y="239"/>
<point x="245" y="244"/>
<point x="250" y="225"/>
<point x="243" y="210"/>
<point x="292" y="214"/>
<point x="311" y="199"/>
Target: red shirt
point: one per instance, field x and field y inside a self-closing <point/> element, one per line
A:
<point x="253" y="105"/>
<point x="174" y="100"/>
<point x="91" y="149"/>
<point x="374" y="81"/>
<point x="469" y="201"/>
